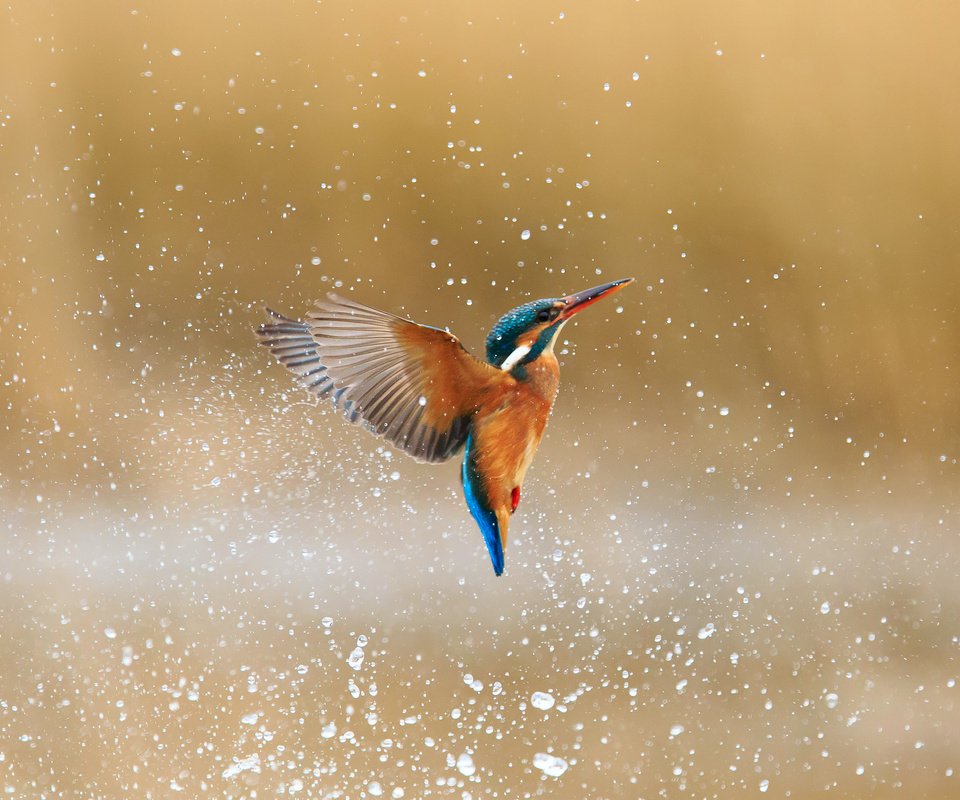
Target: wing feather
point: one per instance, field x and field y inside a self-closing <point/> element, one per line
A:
<point x="414" y="385"/>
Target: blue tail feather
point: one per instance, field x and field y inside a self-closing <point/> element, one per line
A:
<point x="480" y="507"/>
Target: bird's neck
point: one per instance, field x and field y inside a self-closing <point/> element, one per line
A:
<point x="542" y="375"/>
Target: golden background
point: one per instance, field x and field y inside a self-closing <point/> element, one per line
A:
<point x="735" y="564"/>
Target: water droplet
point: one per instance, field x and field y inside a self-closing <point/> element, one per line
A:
<point x="554" y="766"/>
<point x="250" y="763"/>
<point x="524" y="235"/>
<point x="329" y="730"/>
<point x="355" y="659"/>
<point x="707" y="631"/>
<point x="465" y="765"/>
<point x="250" y="719"/>
<point x="676" y="730"/>
<point x="542" y="700"/>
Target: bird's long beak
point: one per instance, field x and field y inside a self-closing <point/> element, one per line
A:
<point x="577" y="302"/>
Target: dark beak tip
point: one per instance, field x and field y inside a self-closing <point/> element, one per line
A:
<point x="580" y="300"/>
<point x="620" y="283"/>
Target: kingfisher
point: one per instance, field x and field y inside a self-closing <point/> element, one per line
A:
<point x="418" y="387"/>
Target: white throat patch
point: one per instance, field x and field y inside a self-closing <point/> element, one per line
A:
<point x="515" y="357"/>
<point x="553" y="339"/>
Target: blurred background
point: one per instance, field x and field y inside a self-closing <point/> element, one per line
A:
<point x="734" y="571"/>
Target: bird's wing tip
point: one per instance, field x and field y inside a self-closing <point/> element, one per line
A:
<point x="276" y="316"/>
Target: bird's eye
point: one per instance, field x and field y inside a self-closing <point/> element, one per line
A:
<point x="543" y="315"/>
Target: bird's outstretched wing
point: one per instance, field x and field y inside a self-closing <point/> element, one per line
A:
<point x="414" y="385"/>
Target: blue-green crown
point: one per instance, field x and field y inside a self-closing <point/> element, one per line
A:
<point x="502" y="340"/>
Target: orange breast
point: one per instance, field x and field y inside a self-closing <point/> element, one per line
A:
<point x="507" y="432"/>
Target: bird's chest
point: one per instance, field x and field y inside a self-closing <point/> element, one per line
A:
<point x="511" y="430"/>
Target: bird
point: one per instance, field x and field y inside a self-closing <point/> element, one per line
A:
<point x="417" y="387"/>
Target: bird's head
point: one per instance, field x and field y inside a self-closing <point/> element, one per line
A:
<point x="528" y="331"/>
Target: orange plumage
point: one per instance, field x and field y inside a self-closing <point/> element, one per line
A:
<point x="509" y="427"/>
